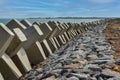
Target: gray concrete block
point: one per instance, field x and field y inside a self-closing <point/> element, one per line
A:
<point x="1" y="76"/>
<point x="26" y="23"/>
<point x="6" y="37"/>
<point x="8" y="68"/>
<point x="15" y="24"/>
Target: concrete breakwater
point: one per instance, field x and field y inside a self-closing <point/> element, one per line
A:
<point x="89" y="56"/>
<point x="86" y="57"/>
<point x="23" y="45"/>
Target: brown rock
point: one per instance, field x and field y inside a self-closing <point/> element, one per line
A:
<point x="50" y="78"/>
<point x="72" y="66"/>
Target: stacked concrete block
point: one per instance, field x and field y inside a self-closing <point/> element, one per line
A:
<point x="1" y="77"/>
<point x="32" y="34"/>
<point x="7" y="67"/>
<point x="25" y="44"/>
<point x="46" y="29"/>
<point x="26" y="23"/>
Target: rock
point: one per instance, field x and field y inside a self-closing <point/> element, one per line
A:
<point x="101" y="48"/>
<point x="116" y="68"/>
<point x="39" y="69"/>
<point x="80" y="53"/>
<point x="114" y="78"/>
<point x="72" y="66"/>
<point x="110" y="73"/>
<point x="100" y="61"/>
<point x="57" y="71"/>
<point x="93" y="67"/>
<point x="72" y="78"/>
<point x="80" y="76"/>
<point x="117" y="61"/>
<point x="92" y="57"/>
<point x="50" y="78"/>
<point x="105" y="57"/>
<point x="108" y="65"/>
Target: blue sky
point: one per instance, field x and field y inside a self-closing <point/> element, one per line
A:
<point x="55" y="8"/>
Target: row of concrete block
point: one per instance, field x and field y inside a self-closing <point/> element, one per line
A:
<point x="23" y="45"/>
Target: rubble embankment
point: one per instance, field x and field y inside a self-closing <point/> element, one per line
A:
<point x="94" y="55"/>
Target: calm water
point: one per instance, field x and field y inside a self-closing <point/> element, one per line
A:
<point x="5" y="21"/>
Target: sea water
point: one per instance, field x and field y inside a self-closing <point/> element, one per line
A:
<point x="5" y="21"/>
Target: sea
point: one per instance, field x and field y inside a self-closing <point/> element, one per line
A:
<point x="5" y="21"/>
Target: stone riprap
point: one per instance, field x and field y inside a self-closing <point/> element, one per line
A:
<point x="64" y="49"/>
<point x="86" y="57"/>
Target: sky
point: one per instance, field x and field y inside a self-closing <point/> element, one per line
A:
<point x="59" y="8"/>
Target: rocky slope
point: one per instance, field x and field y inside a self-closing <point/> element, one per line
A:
<point x="87" y="57"/>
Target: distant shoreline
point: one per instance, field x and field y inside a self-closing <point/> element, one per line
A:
<point x="69" y="18"/>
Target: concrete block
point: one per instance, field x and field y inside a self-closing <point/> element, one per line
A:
<point x="15" y="24"/>
<point x="22" y="61"/>
<point x="45" y="28"/>
<point x="15" y="51"/>
<point x="56" y="41"/>
<point x="8" y="68"/>
<point x="46" y="47"/>
<point x="33" y="34"/>
<point x="1" y="77"/>
<point x="55" y="29"/>
<point x="26" y="23"/>
<point x="6" y="37"/>
<point x="16" y="43"/>
<point x="36" y="53"/>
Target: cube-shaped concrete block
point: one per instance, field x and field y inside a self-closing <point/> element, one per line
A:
<point x="16" y="43"/>
<point x="26" y="23"/>
<point x="8" y="68"/>
<point x="6" y="37"/>
<point x="1" y="76"/>
<point x="22" y="62"/>
<point x="32" y="34"/>
<point x="15" y="24"/>
<point x="56" y="29"/>
<point x="45" y="28"/>
<point x="35" y="53"/>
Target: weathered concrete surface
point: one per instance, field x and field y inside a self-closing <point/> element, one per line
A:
<point x="8" y="68"/>
<point x="1" y="76"/>
<point x="46" y="29"/>
<point x="15" y="24"/>
<point x="50" y="31"/>
<point x="32" y="34"/>
<point x="54" y="33"/>
<point x="16" y="43"/>
<point x="22" y="61"/>
<point x="26" y="23"/>
<point x="36" y="53"/>
<point x="6" y="37"/>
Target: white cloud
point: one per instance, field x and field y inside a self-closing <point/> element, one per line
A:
<point x="101" y="1"/>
